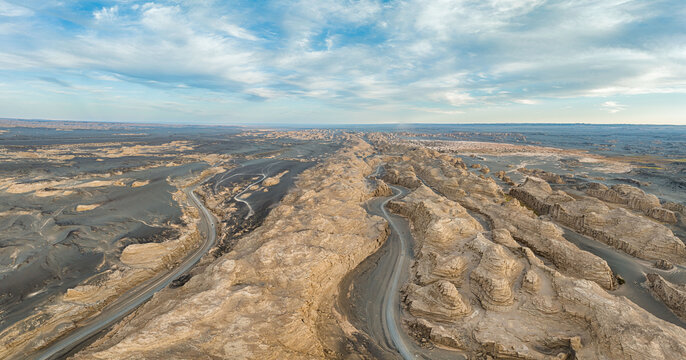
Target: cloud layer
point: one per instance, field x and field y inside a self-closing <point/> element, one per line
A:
<point x="434" y="60"/>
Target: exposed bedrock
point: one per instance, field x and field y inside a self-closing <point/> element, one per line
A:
<point x="382" y="189"/>
<point x="441" y="221"/>
<point x="619" y="328"/>
<point x="401" y="175"/>
<point x="547" y="240"/>
<point x="673" y="295"/>
<point x="545" y="175"/>
<point x="269" y="297"/>
<point x="449" y="176"/>
<point x="662" y="214"/>
<point x="503" y="176"/>
<point x="633" y="198"/>
<point x="634" y="234"/>
<point x="492" y="281"/>
<point x="439" y="300"/>
<point x="483" y="293"/>
<point x="676" y="208"/>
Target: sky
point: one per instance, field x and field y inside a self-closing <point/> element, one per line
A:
<point x="354" y="62"/>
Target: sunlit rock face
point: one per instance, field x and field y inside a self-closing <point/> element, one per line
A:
<point x="632" y="233"/>
<point x="673" y="295"/>
<point x="519" y="288"/>
<point x="286" y="272"/>
<point x="633" y="198"/>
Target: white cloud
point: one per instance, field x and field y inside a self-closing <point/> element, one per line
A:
<point x="612" y="107"/>
<point x="12" y="10"/>
<point x="106" y="14"/>
<point x="436" y="53"/>
<point x="235" y="30"/>
<point x="526" y="101"/>
<point x="458" y="98"/>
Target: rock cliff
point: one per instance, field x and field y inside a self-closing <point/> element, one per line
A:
<point x="483" y="293"/>
<point x="674" y="296"/>
<point x="633" y="198"/>
<point x="267" y="298"/>
<point x="634" y="234"/>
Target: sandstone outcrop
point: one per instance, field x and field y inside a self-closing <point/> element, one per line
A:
<point x="273" y="180"/>
<point x="449" y="176"/>
<point x="382" y="189"/>
<point x="266" y="297"/>
<point x="492" y="281"/>
<point x="633" y="198"/>
<point x="618" y="227"/>
<point x="494" y="298"/>
<point x="664" y="265"/>
<point x="677" y="208"/>
<point x="662" y="214"/>
<point x="673" y="295"/>
<point x="546" y="239"/>
<point x="545" y="175"/>
<point x="503" y="176"/>
<point x="439" y="300"/>
<point x="80" y="208"/>
<point x="403" y="176"/>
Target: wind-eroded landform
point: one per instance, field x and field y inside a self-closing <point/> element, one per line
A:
<point x="252" y="244"/>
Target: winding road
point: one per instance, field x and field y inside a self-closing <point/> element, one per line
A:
<point x="370" y="295"/>
<point x="391" y="301"/>
<point x="251" y="212"/>
<point x="134" y="297"/>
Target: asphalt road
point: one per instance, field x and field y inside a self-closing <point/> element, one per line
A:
<point x="134" y="297"/>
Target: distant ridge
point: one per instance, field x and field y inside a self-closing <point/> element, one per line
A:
<point x="91" y="125"/>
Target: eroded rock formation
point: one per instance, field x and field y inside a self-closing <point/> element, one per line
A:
<point x="545" y="175"/>
<point x="673" y="295"/>
<point x="449" y="176"/>
<point x="633" y="198"/>
<point x="617" y="227"/>
<point x="507" y="300"/>
<point x="266" y="298"/>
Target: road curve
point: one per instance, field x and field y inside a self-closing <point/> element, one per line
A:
<point x="371" y="298"/>
<point x="391" y="302"/>
<point x="134" y="297"/>
<point x="251" y="212"/>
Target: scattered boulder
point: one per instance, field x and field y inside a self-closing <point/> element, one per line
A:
<point x="664" y="264"/>
<point x="542" y="174"/>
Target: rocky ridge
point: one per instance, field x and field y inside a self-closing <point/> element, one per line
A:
<point x="449" y="175"/>
<point x="491" y="294"/>
<point x="633" y="198"/>
<point x="617" y="227"/>
<point x="672" y="295"/>
<point x="285" y="272"/>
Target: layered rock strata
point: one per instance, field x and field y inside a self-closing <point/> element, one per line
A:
<point x="449" y="176"/>
<point x="484" y="294"/>
<point x="672" y="295"/>
<point x="633" y="198"/>
<point x="617" y="227"/>
<point x="545" y="175"/>
<point x="267" y="298"/>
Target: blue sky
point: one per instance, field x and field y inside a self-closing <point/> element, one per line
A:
<point x="324" y="61"/>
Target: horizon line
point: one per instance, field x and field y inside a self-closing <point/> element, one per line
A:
<point x="267" y="124"/>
